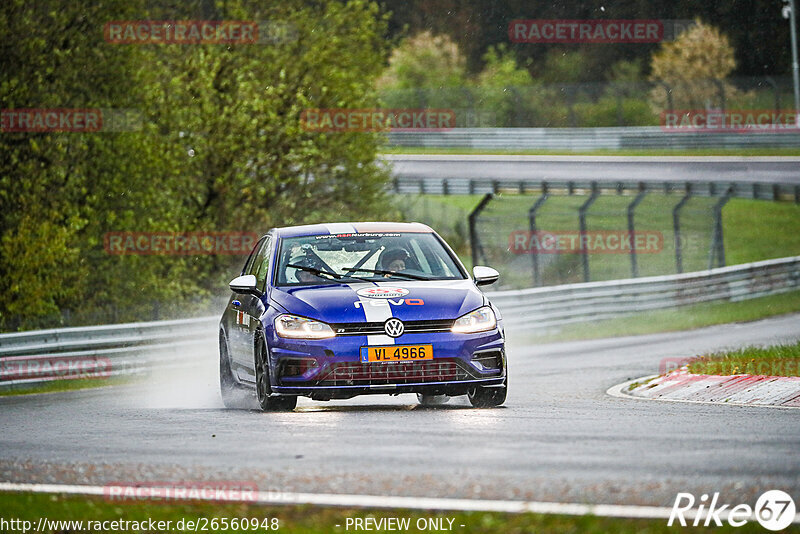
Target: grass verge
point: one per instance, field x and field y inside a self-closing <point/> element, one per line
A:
<point x="677" y="319"/>
<point x="310" y="519"/>
<point x="780" y="360"/>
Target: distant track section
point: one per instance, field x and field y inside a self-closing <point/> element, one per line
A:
<point x="766" y="178"/>
<point x="617" y="138"/>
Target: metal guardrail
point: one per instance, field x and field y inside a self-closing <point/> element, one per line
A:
<point x="101" y="351"/>
<point x="616" y="138"/>
<point x="469" y="186"/>
<point x="544" y="307"/>
<point x="113" y="350"/>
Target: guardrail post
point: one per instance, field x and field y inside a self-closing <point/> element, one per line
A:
<point x="717" y="247"/>
<point x="473" y="230"/>
<point x="632" y="229"/>
<point x="537" y="281"/>
<point x="676" y="226"/>
<point x="582" y="229"/>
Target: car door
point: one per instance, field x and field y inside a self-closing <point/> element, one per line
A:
<point x="245" y="311"/>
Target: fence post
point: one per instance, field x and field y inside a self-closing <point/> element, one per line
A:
<point x="721" y="89"/>
<point x="582" y="228"/>
<point x="668" y="91"/>
<point x="717" y="247"/>
<point x="569" y="92"/>
<point x="473" y="230"/>
<point x="537" y="281"/>
<point x="776" y="91"/>
<point x="620" y="110"/>
<point x="632" y="229"/>
<point x="676" y="226"/>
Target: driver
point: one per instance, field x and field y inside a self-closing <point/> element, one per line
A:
<point x="305" y="277"/>
<point x="394" y="259"/>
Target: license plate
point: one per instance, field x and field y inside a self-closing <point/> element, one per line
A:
<point x="397" y="353"/>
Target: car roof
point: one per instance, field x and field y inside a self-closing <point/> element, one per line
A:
<point x="351" y="228"/>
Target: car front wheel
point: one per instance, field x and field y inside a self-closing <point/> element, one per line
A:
<point x="432" y="400"/>
<point x="487" y="397"/>
<point x="268" y="401"/>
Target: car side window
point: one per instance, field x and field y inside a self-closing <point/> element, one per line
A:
<point x="248" y="266"/>
<point x="260" y="266"/>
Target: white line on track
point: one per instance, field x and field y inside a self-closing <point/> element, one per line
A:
<point x="377" y="501"/>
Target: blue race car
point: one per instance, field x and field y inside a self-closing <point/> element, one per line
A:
<point x="331" y="311"/>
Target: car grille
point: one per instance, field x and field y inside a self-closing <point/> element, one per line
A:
<point x="356" y="374"/>
<point x="411" y="327"/>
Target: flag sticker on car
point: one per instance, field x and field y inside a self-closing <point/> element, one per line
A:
<point x="242" y="318"/>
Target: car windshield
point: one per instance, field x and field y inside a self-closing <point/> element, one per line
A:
<point x="376" y="257"/>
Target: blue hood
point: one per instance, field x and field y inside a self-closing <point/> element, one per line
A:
<point x="425" y="300"/>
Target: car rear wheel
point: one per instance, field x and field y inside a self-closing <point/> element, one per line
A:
<point x="233" y="394"/>
<point x="487" y="397"/>
<point x="268" y="401"/>
<point x="432" y="400"/>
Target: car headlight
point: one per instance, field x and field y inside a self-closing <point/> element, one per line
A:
<point x="480" y="320"/>
<point x="294" y="326"/>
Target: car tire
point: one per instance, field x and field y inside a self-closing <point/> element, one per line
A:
<point x="268" y="401"/>
<point x="483" y="397"/>
<point x="432" y="400"/>
<point x="233" y="394"/>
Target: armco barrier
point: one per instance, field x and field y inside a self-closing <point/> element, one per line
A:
<point x="137" y="347"/>
<point x="544" y="307"/>
<point x="616" y="138"/>
<point x="128" y="348"/>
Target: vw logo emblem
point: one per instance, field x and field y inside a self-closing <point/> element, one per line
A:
<point x="394" y="327"/>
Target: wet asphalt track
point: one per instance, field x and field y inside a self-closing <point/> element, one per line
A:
<point x="559" y="438"/>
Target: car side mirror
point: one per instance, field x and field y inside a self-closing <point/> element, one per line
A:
<point x="484" y="275"/>
<point x="245" y="284"/>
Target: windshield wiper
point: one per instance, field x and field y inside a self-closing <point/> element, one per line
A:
<point x="315" y="271"/>
<point x="380" y="271"/>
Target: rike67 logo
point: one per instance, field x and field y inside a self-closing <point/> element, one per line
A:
<point x="774" y="510"/>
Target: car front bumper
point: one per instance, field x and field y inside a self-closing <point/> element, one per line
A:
<point x="332" y="368"/>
